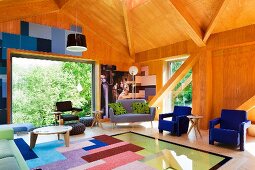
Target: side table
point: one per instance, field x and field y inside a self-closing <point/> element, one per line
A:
<point x="57" y="116"/>
<point x="97" y="118"/>
<point x="194" y="123"/>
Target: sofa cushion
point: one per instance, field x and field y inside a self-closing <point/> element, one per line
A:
<point x="6" y="132"/>
<point x="5" y="150"/>
<point x="127" y="103"/>
<point x="9" y="163"/>
<point x="118" y="108"/>
<point x="139" y="107"/>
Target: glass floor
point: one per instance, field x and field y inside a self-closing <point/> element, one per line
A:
<point x="161" y="154"/>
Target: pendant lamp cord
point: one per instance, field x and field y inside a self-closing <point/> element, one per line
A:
<point x="76" y="26"/>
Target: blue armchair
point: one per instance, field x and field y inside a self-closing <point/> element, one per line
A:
<point x="179" y="123"/>
<point x="233" y="125"/>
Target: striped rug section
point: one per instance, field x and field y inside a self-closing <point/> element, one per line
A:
<point x="107" y="139"/>
<point x="117" y="160"/>
<point x="111" y="152"/>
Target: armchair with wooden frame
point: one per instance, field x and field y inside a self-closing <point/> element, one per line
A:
<point x="66" y="106"/>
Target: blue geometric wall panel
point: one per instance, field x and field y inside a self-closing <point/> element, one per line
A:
<point x="2" y="62"/>
<point x="11" y="40"/>
<point x="43" y="45"/>
<point x="4" y="88"/>
<point x="28" y="43"/>
<point x="58" y="41"/>
<point x="1" y="95"/>
<point x="24" y="28"/>
<point x="34" y="37"/>
<point x="39" y="31"/>
<point x="3" y="70"/>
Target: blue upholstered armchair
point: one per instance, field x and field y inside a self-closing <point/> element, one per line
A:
<point x="179" y="123"/>
<point x="233" y="125"/>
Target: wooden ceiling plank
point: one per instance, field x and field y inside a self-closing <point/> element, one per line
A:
<point x="127" y="5"/>
<point x="189" y="24"/>
<point x="175" y="79"/>
<point x="118" y="46"/>
<point x="37" y="8"/>
<point x="215" y="19"/>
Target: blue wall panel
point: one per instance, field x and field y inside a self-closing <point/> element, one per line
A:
<point x="3" y="70"/>
<point x="58" y="41"/>
<point x="11" y="40"/>
<point x="43" y="45"/>
<point x="24" y="26"/>
<point x="4" y="53"/>
<point x="39" y="31"/>
<point x="4" y="88"/>
<point x="28" y="43"/>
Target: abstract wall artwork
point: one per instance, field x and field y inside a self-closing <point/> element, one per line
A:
<point x="116" y="85"/>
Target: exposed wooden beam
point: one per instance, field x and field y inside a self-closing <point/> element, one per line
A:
<point x="115" y="44"/>
<point x="189" y="24"/>
<point x="215" y="19"/>
<point x="127" y="5"/>
<point x="172" y="82"/>
<point x="248" y="105"/>
<point x="63" y="3"/>
<point x="183" y="86"/>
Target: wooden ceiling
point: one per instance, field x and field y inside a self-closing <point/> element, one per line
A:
<point x="138" y="25"/>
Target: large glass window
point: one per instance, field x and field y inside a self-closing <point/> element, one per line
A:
<point x="182" y="93"/>
<point x="38" y="84"/>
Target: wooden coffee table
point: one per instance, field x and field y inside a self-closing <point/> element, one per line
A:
<point x="49" y="130"/>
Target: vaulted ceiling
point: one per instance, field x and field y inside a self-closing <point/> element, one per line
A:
<point x="140" y="25"/>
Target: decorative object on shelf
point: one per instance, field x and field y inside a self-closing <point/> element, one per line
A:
<point x="133" y="70"/>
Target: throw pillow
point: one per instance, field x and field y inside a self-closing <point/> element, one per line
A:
<point x="118" y="108"/>
<point x="140" y="107"/>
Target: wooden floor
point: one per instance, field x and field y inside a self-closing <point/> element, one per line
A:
<point x="241" y="160"/>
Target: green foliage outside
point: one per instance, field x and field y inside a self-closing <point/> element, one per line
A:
<point x="185" y="97"/>
<point x="36" y="89"/>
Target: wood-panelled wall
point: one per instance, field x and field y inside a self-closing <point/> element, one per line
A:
<point x="224" y="76"/>
<point x="98" y="49"/>
<point x="233" y="77"/>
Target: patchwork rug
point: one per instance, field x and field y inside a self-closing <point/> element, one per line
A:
<point x="120" y="152"/>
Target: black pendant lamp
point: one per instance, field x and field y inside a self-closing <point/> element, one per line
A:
<point x="76" y="43"/>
